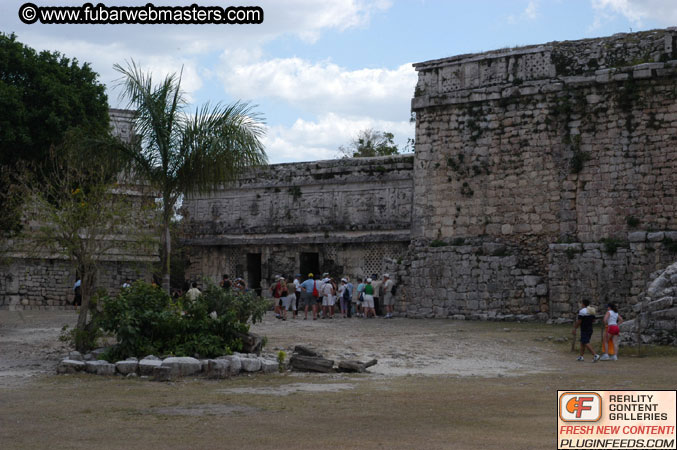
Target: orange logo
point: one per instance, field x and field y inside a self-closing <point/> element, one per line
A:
<point x="580" y="407"/>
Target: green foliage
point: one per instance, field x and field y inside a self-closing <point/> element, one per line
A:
<point x="145" y="320"/>
<point x="571" y="252"/>
<point x="578" y="160"/>
<point x="370" y="143"/>
<point x="670" y="244"/>
<point x="295" y="192"/>
<point x="438" y="243"/>
<point x="82" y="339"/>
<point x="281" y="355"/>
<point x="611" y="245"/>
<point x="633" y="222"/>
<point x="42" y="96"/>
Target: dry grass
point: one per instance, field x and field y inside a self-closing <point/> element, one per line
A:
<point x="379" y="412"/>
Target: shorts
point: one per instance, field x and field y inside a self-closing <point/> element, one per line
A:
<point x="389" y="299"/>
<point x="328" y="301"/>
<point x="585" y="336"/>
<point x="368" y="301"/>
<point x="289" y="301"/>
<point x="307" y="299"/>
<point x="613" y="330"/>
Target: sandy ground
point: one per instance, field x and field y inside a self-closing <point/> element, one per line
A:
<point x="411" y="347"/>
<point x="29" y="344"/>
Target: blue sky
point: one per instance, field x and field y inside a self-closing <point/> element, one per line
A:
<point x="321" y="71"/>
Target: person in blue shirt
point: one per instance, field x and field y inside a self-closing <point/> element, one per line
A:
<point x="307" y="298"/>
<point x="360" y="298"/>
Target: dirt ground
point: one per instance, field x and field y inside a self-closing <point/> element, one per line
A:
<point x="438" y="384"/>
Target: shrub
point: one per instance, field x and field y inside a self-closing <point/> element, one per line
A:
<point x="438" y="243"/>
<point x="145" y="320"/>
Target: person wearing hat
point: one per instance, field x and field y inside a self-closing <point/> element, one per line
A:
<point x="368" y="303"/>
<point x="278" y="289"/>
<point x="388" y="297"/>
<point x="345" y="293"/>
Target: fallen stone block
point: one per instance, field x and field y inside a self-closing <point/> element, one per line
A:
<point x="306" y="351"/>
<point x="311" y="364"/>
<point x="355" y="366"/>
<point x="162" y="373"/>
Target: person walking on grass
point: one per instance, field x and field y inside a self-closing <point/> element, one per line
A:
<point x="613" y="320"/>
<point x="586" y="317"/>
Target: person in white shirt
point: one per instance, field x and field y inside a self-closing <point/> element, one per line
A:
<point x="328" y="298"/>
<point x="193" y="293"/>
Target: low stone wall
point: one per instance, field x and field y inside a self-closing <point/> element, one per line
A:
<point x="482" y="279"/>
<point x="29" y="284"/>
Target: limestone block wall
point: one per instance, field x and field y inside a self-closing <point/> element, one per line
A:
<point x="606" y="272"/>
<point x="349" y="195"/>
<point x="562" y="142"/>
<point x="28" y="284"/>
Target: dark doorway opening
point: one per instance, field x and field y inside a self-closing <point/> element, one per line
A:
<point x="309" y="263"/>
<point x="254" y="272"/>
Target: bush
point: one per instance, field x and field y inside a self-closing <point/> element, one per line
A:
<point x="145" y="320"/>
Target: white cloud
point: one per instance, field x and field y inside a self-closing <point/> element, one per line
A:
<point x="316" y="140"/>
<point x="323" y="86"/>
<point x="529" y="13"/>
<point x="637" y="11"/>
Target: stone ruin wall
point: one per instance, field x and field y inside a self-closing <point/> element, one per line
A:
<point x="526" y="159"/>
<point x="353" y="212"/>
<point x="28" y="282"/>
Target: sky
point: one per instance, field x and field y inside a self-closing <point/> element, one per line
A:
<point x="318" y="71"/>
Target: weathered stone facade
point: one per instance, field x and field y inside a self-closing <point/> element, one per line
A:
<point x="31" y="281"/>
<point x="343" y="216"/>
<point x="542" y="175"/>
<point x="567" y="142"/>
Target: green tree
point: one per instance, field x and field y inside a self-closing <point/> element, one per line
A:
<point x="76" y="207"/>
<point x="181" y="153"/>
<point x="42" y="95"/>
<point x="370" y="142"/>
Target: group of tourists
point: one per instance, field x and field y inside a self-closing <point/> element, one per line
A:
<point x="324" y="295"/>
<point x="585" y="320"/>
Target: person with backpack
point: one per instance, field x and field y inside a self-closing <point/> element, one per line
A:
<point x="388" y="296"/>
<point x="359" y="310"/>
<point x="346" y="296"/>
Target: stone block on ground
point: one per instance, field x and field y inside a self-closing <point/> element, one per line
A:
<point x="311" y="364"/>
<point x="306" y="351"/>
<point x="250" y="364"/>
<point x="70" y="366"/>
<point x="146" y="366"/>
<point x="268" y="366"/>
<point x="99" y="367"/>
<point x="218" y="368"/>
<point x="235" y="363"/>
<point x="162" y="373"/>
<point x="126" y="367"/>
<point x="182" y="366"/>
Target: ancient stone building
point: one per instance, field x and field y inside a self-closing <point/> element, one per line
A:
<point x="34" y="281"/>
<point x="342" y="216"/>
<point x="542" y="175"/>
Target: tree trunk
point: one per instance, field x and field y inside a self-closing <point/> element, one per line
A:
<point x="166" y="264"/>
<point x="87" y="280"/>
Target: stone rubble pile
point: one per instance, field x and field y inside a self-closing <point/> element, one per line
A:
<point x="169" y="368"/>
<point x="656" y="313"/>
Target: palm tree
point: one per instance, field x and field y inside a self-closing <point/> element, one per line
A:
<point x="180" y="153"/>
